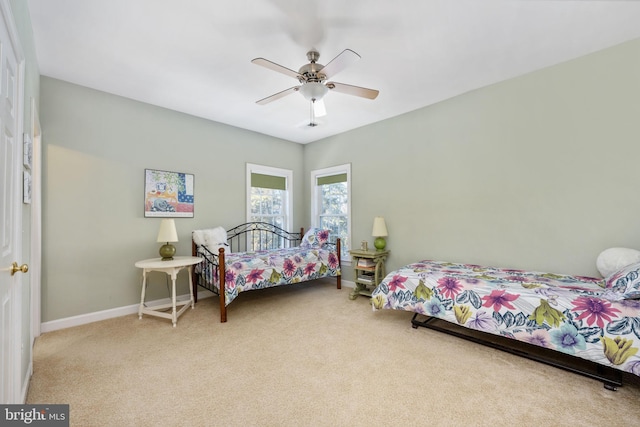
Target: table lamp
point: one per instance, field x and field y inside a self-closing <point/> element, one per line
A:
<point x="379" y="232"/>
<point x="167" y="234"/>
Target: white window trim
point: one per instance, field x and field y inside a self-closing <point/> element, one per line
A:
<point x="334" y="170"/>
<point x="268" y="170"/>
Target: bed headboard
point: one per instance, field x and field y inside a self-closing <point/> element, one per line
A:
<point x="253" y="236"/>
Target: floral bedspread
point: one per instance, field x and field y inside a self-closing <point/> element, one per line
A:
<point x="245" y="271"/>
<point x="570" y="314"/>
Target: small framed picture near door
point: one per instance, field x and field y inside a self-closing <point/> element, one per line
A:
<point x="27" y="151"/>
<point x="26" y="187"/>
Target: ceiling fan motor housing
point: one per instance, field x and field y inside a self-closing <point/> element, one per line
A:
<point x="311" y="73"/>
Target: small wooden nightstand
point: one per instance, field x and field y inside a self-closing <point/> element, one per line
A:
<point x="369" y="271"/>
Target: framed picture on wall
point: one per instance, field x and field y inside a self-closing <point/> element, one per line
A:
<point x="26" y="187"/>
<point x="168" y="194"/>
<point x="27" y="151"/>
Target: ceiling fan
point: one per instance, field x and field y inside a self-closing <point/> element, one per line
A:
<point x="313" y="80"/>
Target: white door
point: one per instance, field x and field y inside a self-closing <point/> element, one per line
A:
<point x="10" y="210"/>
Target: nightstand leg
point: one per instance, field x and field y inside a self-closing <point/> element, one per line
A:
<point x="193" y="301"/>
<point x="354" y="294"/>
<point x="174" y="318"/>
<point x="144" y="287"/>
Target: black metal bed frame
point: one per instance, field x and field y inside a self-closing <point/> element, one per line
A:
<point x="247" y="237"/>
<point x="612" y="378"/>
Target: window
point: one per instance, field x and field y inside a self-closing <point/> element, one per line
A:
<point x="331" y="203"/>
<point x="269" y="195"/>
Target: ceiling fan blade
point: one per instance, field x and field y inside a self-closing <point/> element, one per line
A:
<point x="278" y="95"/>
<point x="276" y="67"/>
<point x="353" y="90"/>
<point x="339" y="63"/>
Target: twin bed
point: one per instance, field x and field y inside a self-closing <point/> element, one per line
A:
<point x="582" y="324"/>
<point x="586" y="325"/>
<point x="258" y="255"/>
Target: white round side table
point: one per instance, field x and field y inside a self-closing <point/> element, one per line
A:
<point x="172" y="268"/>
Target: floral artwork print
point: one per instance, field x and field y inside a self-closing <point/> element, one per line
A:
<point x="168" y="194"/>
<point x="569" y="314"/>
<point x="245" y="271"/>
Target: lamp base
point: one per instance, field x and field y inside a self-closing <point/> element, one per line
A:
<point x="167" y="252"/>
<point x="380" y="243"/>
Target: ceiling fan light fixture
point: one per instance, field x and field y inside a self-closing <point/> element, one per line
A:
<point x="319" y="110"/>
<point x="313" y="91"/>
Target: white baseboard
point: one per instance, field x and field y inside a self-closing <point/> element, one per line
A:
<point x="83" y="319"/>
<point x="348" y="283"/>
<point x="97" y="316"/>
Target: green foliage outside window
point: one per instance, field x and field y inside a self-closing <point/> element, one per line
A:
<point x="333" y="212"/>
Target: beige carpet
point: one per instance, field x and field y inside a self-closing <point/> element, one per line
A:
<point x="305" y="356"/>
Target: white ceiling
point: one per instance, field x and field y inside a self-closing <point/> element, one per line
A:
<point x="194" y="55"/>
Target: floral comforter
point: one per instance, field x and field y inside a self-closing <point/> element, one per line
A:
<point x="570" y="314"/>
<point x="245" y="271"/>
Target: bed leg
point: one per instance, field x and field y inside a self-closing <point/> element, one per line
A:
<point x="223" y="311"/>
<point x="610" y="386"/>
<point x="194" y="276"/>
<point x="339" y="277"/>
<point x="221" y="275"/>
<point x="194" y="288"/>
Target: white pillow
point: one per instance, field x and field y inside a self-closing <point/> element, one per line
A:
<point x="613" y="259"/>
<point x="198" y="237"/>
<point x="212" y="238"/>
<point x="215" y="236"/>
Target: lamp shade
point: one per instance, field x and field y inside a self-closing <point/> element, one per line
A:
<point x="379" y="227"/>
<point x="167" y="231"/>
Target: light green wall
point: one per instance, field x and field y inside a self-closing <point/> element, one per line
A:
<point x="538" y="172"/>
<point x="97" y="147"/>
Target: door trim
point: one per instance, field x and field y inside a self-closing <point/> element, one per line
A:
<point x="35" y="258"/>
<point x="18" y="382"/>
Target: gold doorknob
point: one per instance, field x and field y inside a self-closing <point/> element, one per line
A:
<point x="14" y="268"/>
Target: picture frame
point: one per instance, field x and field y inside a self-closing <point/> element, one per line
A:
<point x="168" y="194"/>
<point x="26" y="187"/>
<point x="27" y="151"/>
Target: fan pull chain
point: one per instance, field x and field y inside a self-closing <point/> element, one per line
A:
<point x="312" y="118"/>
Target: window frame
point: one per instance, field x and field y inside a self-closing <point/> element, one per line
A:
<point x="315" y="199"/>
<point x="287" y="174"/>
